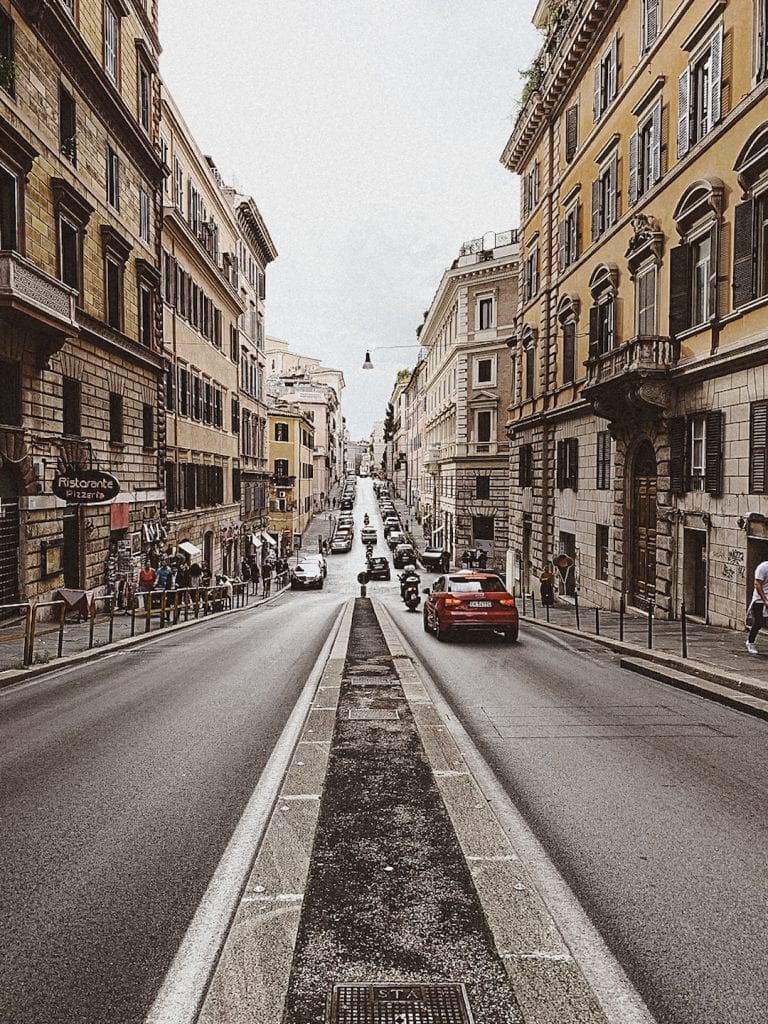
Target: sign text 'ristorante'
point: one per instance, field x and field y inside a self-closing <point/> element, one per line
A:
<point x="86" y="487"/>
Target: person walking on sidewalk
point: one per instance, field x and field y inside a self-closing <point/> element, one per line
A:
<point x="757" y="605"/>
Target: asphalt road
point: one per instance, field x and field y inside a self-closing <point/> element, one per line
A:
<point x="121" y="782"/>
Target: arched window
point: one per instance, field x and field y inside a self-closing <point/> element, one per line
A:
<point x="529" y="348"/>
<point x="603" y="319"/>
<point x="750" y="230"/>
<point x="568" y="315"/>
<point x="694" y="298"/>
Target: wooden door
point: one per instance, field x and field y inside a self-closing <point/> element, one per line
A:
<point x="643" y="583"/>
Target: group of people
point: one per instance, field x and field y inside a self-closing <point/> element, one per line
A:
<point x="173" y="574"/>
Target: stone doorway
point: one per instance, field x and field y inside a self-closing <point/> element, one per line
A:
<point x="642" y="584"/>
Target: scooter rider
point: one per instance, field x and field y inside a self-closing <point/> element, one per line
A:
<point x="366" y="519"/>
<point x="408" y="575"/>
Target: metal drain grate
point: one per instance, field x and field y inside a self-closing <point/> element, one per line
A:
<point x="399" y="1004"/>
<point x="373" y="715"/>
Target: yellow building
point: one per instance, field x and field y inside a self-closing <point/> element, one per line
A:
<point x="81" y="339"/>
<point x="639" y="414"/>
<point x="291" y="453"/>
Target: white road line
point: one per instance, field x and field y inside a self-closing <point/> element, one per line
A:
<point x="181" y="994"/>
<point x="617" y="997"/>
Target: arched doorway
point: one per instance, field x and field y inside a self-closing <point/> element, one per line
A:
<point x="642" y="587"/>
<point x="9" y="536"/>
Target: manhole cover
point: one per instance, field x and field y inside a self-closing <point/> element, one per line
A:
<point x="399" y="1004"/>
<point x="373" y="715"/>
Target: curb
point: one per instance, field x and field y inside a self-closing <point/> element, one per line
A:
<point x="8" y="677"/>
<point x="748" y="695"/>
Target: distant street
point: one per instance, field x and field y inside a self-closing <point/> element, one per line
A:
<point x="121" y="783"/>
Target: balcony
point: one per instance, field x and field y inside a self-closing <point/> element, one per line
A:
<point x="630" y="384"/>
<point x="33" y="302"/>
<point x="283" y="481"/>
<point x="452" y="450"/>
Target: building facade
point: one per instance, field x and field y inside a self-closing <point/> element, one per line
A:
<point x="291" y="449"/>
<point x="81" y="339"/>
<point x="638" y="418"/>
<point x="467" y="383"/>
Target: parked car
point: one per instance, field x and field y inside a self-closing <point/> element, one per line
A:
<point x="435" y="559"/>
<point x="306" y="575"/>
<point x="347" y="503"/>
<point x="378" y="569"/>
<point x="391" y="523"/>
<point x="395" y="537"/>
<point x="320" y="559"/>
<point x="368" y="535"/>
<point x="464" y="601"/>
<point x="403" y="555"/>
<point x="341" y="543"/>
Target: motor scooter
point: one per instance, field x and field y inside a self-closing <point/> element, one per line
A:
<point x="409" y="590"/>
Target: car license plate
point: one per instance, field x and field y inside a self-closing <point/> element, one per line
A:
<point x="481" y="604"/>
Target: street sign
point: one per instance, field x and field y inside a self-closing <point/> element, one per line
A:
<point x="297" y="541"/>
<point x="363" y="578"/>
<point x="85" y="487"/>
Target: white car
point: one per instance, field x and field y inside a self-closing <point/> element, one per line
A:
<point x="321" y="561"/>
<point x="305" y="575"/>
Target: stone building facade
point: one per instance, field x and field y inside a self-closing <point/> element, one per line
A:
<point x="467" y="382"/>
<point x="81" y="338"/>
<point x="291" y="449"/>
<point x="638" y="417"/>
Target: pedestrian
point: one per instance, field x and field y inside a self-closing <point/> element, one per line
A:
<point x="757" y="605"/>
<point x="547" y="586"/>
<point x="205" y="579"/>
<point x="245" y="570"/>
<point x="195" y="575"/>
<point x="267" y="578"/>
<point x="164" y="575"/>
<point x="255" y="575"/>
<point x="445" y="562"/>
<point x="182" y="575"/>
<point x="147" y="577"/>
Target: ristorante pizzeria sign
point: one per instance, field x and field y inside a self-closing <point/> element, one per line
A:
<point x="85" y="487"/>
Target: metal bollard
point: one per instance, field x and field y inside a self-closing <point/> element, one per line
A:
<point x="621" y="617"/>
<point x="683" y="631"/>
<point x="650" y="625"/>
<point x="28" y="641"/>
<point x="533" y="604"/>
<point x="547" y="610"/>
<point x="576" y="607"/>
<point x="597" y="622"/>
<point x="523" y="594"/>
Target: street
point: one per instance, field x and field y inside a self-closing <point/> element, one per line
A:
<point x="123" y="779"/>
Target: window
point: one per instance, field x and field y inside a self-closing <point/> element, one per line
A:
<point x="601" y="552"/>
<point x="603" y="332"/>
<point x="758" y="447"/>
<point x="761" y="39"/>
<point x="484" y="374"/>
<point x="114" y="293"/>
<point x="701" y="263"/>
<point x="483" y="429"/>
<point x="111" y="41"/>
<point x="699" y="94"/>
<point x="569" y="352"/>
<point x="605" y="206"/>
<point x="70" y="393"/>
<point x="115" y="418"/>
<point x="10" y="392"/>
<point x="530" y="369"/>
<point x="67" y="125"/>
<point x="170" y="389"/>
<point x="9" y="209"/>
<point x="482" y="487"/>
<point x="69" y="7"/>
<point x="531" y="189"/>
<point x="571" y="132"/>
<point x="166" y="168"/>
<point x="113" y="178"/>
<point x="531" y="274"/>
<point x="148" y="427"/>
<point x="178" y="185"/>
<point x="235" y="416"/>
<point x="146" y="306"/>
<point x="650" y="22"/>
<point x="695" y="453"/>
<point x="485" y="314"/>
<point x="568" y="463"/>
<point x="69" y="253"/>
<point x="569" y="237"/>
<point x="645" y="301"/>
<point x="281" y="431"/>
<point x="145" y="96"/>
<point x="525" y="466"/>
<point x="603" y="481"/>
<point x="645" y="154"/>
<point x="281" y="467"/>
<point x="750" y="235"/>
<point x="693" y="274"/>
<point x="7" y="54"/>
<point x="144" y="221"/>
<point x="606" y="79"/>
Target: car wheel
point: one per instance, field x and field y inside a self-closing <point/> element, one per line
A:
<point x="442" y="633"/>
<point x="425" y="617"/>
<point x="510" y="634"/>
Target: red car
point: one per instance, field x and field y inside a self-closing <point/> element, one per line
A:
<point x="470" y="600"/>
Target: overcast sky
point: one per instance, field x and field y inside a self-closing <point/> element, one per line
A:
<point x="369" y="133"/>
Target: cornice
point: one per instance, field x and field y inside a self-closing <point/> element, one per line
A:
<point x="255" y="230"/>
<point x="62" y="39"/>
<point x="107" y="337"/>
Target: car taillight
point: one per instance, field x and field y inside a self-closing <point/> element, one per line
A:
<point x="508" y="602"/>
<point x="452" y="602"/>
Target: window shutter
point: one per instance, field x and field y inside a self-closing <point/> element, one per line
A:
<point x="680" y="289"/>
<point x="613" y="195"/>
<point x="573" y="462"/>
<point x="656" y="142"/>
<point x="758" y="448"/>
<point x="651" y="21"/>
<point x="561" y="246"/>
<point x="743" y="254"/>
<point x="613" y="69"/>
<point x="714" y="454"/>
<point x="595" y="209"/>
<point x="633" y="146"/>
<point x="594" y="315"/>
<point x="560" y="472"/>
<point x="684" y="113"/>
<point x="569" y="352"/>
<point x="716" y="51"/>
<point x="714" y="272"/>
<point x="596" y="106"/>
<point x="762" y="15"/>
<point x="571" y="132"/>
<point x="677" y="434"/>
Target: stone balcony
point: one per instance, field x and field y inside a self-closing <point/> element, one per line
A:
<point x="37" y="304"/>
<point x="453" y="450"/>
<point x="631" y="383"/>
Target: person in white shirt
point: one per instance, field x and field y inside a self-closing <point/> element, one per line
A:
<point x="757" y="605"/>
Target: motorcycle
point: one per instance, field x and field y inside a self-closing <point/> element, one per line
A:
<point x="410" y="582"/>
<point x="366" y="519"/>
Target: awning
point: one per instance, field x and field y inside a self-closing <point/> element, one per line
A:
<point x="190" y="549"/>
<point x="269" y="540"/>
<point x="255" y="539"/>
